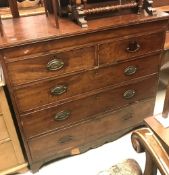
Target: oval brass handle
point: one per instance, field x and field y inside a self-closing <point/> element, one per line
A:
<point x="133" y="47"/>
<point x="129" y="94"/>
<point x="55" y="64"/>
<point x="62" y="115"/>
<point x="130" y="70"/>
<point x="58" y="90"/>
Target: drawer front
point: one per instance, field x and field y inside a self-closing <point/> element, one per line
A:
<point x="45" y="66"/>
<point x="8" y="158"/>
<point x="72" y="112"/>
<point x="59" y="89"/>
<point x="115" y="51"/>
<point x="3" y="130"/>
<point x="86" y="133"/>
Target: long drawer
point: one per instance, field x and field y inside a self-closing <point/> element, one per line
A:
<point x="115" y="51"/>
<point x="63" y="142"/>
<point x="75" y="111"/>
<point x="56" y="90"/>
<point x="49" y="65"/>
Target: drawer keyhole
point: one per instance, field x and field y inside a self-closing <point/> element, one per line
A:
<point x="133" y="46"/>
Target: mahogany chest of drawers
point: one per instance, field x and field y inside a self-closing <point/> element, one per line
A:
<point x="73" y="89"/>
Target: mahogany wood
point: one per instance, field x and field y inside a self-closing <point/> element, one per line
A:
<point x="44" y="121"/>
<point x="95" y="77"/>
<point x="38" y="95"/>
<point x="74" y="61"/>
<point x="49" y="35"/>
<point x="66" y="140"/>
<point x="118" y="49"/>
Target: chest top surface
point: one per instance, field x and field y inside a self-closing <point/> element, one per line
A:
<point x="38" y="28"/>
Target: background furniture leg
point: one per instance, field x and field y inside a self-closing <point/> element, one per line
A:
<point x="14" y="8"/>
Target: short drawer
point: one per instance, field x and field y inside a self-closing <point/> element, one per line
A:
<point x="72" y="112"/>
<point x="3" y="130"/>
<point x="55" y="90"/>
<point x="8" y="158"/>
<point x="118" y="50"/>
<point x="51" y="65"/>
<point x="89" y="133"/>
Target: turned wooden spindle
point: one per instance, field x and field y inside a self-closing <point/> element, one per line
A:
<point x="109" y="8"/>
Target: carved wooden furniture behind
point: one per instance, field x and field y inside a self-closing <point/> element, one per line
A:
<point x="158" y="152"/>
<point x="81" y="10"/>
<point x="154" y="142"/>
<point x="144" y="140"/>
<point x="11" y="158"/>
<point x="74" y="89"/>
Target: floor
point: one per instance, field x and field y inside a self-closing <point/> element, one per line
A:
<point x="96" y="160"/>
